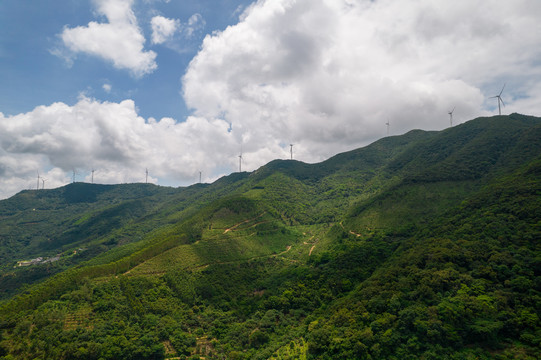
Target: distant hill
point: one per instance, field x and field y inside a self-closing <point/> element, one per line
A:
<point x="424" y="245"/>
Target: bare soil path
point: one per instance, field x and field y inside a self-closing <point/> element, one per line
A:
<point x="242" y="222"/>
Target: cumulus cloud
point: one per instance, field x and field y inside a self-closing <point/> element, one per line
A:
<point x="163" y="28"/>
<point x="112" y="139"/>
<point x="328" y="74"/>
<point x="194" y="24"/>
<point x="119" y="41"/>
<point x="176" y="35"/>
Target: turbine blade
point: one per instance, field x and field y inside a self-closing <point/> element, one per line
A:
<point x="500" y="99"/>
<point x="502" y="88"/>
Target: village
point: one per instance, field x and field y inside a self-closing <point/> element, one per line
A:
<point x="37" y="261"/>
<point x="41" y="260"/>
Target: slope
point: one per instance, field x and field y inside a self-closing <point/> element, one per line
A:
<point x="466" y="282"/>
<point x="76" y="223"/>
<point x="441" y="171"/>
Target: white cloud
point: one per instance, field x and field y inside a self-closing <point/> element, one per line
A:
<point x="176" y="35"/>
<point x="111" y="138"/>
<point x="195" y="23"/>
<point x="107" y="87"/>
<point x="163" y="28"/>
<point x="120" y="40"/>
<point x="328" y="74"/>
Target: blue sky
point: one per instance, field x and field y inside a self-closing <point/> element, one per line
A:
<point x="31" y="75"/>
<point x="182" y="87"/>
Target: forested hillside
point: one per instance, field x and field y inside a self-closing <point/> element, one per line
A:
<point x="425" y="245"/>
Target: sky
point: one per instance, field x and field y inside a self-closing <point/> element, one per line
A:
<point x="183" y="87"/>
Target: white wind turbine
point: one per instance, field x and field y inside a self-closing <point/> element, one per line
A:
<point x="499" y="97"/>
<point x="240" y="158"/>
<point x="291" y="150"/>
<point x="451" y="116"/>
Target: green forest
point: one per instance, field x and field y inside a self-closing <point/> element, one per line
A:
<point x="425" y="245"/>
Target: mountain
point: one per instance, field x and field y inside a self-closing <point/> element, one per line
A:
<point x="424" y="245"/>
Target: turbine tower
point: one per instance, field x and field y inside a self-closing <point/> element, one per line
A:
<point x="388" y="124"/>
<point x="499" y="97"/>
<point x="37" y="188"/>
<point x="146" y="177"/>
<point x="291" y="150"/>
<point x="240" y="162"/>
<point x="74" y="175"/>
<point x="43" y="183"/>
<point x="451" y="115"/>
<point x="200" y="177"/>
<point x="240" y="158"/>
<point x="93" y="176"/>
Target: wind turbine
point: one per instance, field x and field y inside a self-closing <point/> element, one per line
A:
<point x="451" y="115"/>
<point x="291" y="150"/>
<point x="37" y="188"/>
<point x="146" y="177"/>
<point x="43" y="183"/>
<point x="499" y="97"/>
<point x="240" y="158"/>
<point x="200" y="177"/>
<point x="74" y="173"/>
<point x="388" y="124"/>
<point x="93" y="176"/>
